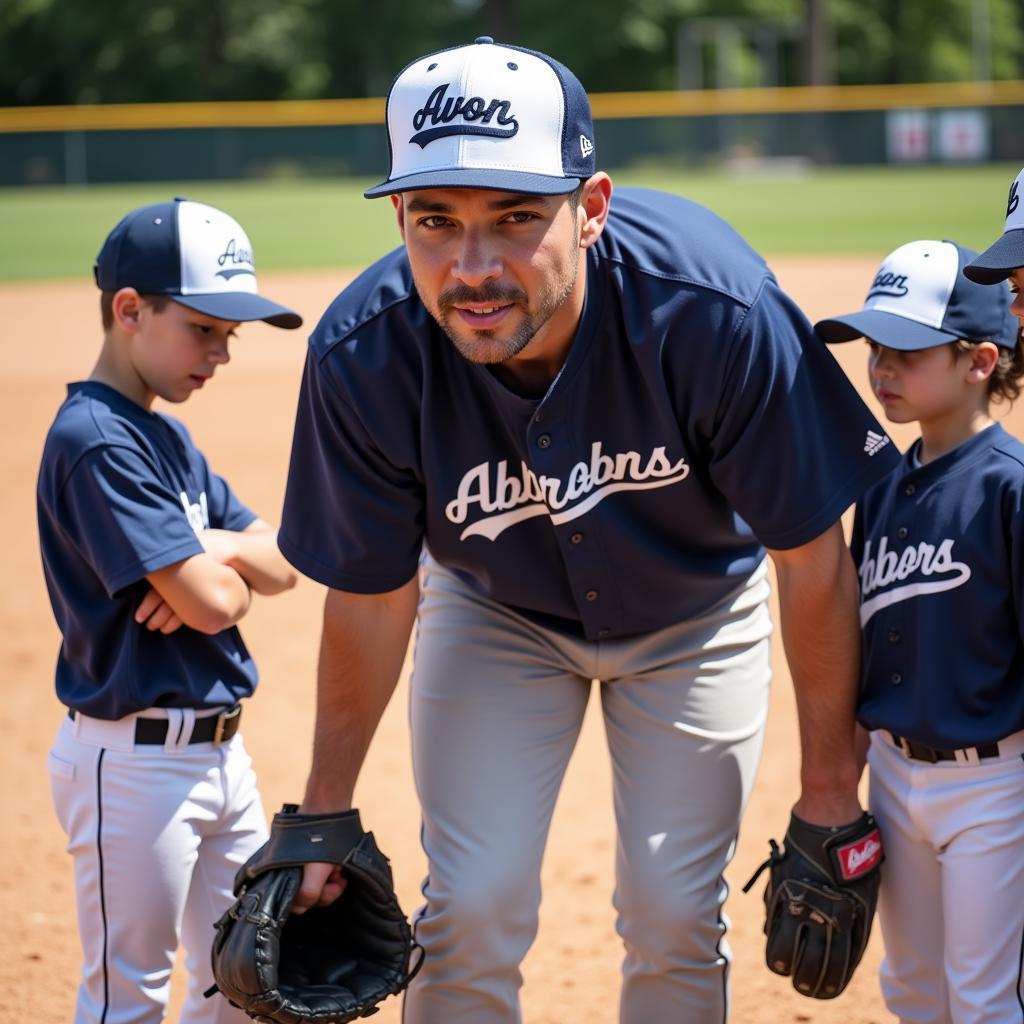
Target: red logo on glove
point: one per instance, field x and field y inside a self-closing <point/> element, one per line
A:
<point x="856" y="859"/>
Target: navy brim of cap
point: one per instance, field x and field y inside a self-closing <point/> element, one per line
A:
<point x="886" y="329"/>
<point x="478" y="177"/>
<point x="241" y="307"/>
<point x="999" y="260"/>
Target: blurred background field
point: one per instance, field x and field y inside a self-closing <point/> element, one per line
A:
<point x="826" y="131"/>
<point x="55" y="232"/>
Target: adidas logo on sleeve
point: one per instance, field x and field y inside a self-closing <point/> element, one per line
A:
<point x="875" y="442"/>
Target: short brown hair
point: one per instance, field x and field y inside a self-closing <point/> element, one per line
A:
<point x="158" y="302"/>
<point x="1005" y="383"/>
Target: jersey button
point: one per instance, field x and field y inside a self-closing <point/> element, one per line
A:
<point x="902" y="533"/>
<point x="576" y="538"/>
<point x="544" y="441"/>
<point x="603" y="632"/>
<point x="896" y="678"/>
<point x="894" y="636"/>
<point x="591" y="595"/>
<point x="909" y="490"/>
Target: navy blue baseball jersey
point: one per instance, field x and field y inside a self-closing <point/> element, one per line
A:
<point x="940" y="551"/>
<point x="696" y="419"/>
<point x="123" y="492"/>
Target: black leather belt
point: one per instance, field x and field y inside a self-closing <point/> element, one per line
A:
<point x="920" y="752"/>
<point x="214" y="729"/>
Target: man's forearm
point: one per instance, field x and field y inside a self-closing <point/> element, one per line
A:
<point x="362" y="649"/>
<point x="818" y="600"/>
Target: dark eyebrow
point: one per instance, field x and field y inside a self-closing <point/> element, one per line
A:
<point x="523" y="199"/>
<point x="418" y="205"/>
<point x="422" y="206"/>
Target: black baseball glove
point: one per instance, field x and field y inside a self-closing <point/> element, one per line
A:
<point x="820" y="902"/>
<point x="330" y="964"/>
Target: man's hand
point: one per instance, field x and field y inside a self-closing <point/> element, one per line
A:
<point x="321" y="885"/>
<point x="329" y="962"/>
<point x="156" y="614"/>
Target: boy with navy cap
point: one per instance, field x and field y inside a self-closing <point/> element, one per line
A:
<point x="596" y="414"/>
<point x="939" y="546"/>
<point x="150" y="560"/>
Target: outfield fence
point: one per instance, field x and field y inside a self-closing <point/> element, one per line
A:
<point x="836" y="125"/>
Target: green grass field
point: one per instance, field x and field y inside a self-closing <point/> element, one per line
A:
<point x="55" y="232"/>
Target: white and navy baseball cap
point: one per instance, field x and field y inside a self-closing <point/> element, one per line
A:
<point x="193" y="253"/>
<point x="919" y="299"/>
<point x="1006" y="254"/>
<point x="488" y="116"/>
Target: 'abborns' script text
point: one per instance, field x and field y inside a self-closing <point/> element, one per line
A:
<point x="509" y="499"/>
<point x="917" y="560"/>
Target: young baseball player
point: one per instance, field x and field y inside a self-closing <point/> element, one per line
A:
<point x="149" y="561"/>
<point x="597" y="413"/>
<point x="940" y="548"/>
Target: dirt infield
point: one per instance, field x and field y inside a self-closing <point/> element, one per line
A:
<point x="243" y="422"/>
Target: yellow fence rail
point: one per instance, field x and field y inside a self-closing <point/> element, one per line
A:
<point x="697" y="103"/>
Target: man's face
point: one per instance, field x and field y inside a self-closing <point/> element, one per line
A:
<point x="494" y="269"/>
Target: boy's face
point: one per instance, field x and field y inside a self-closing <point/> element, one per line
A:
<point x="174" y="352"/>
<point x="1017" y="287"/>
<point x="923" y="385"/>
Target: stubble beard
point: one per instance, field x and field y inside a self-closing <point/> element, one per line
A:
<point x="484" y="346"/>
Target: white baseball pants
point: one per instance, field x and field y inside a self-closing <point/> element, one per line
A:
<point x="157" y="834"/>
<point x="496" y="707"/>
<point x="951" y="904"/>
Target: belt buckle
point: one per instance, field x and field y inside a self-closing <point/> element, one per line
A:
<point x="918" y="751"/>
<point x="222" y="720"/>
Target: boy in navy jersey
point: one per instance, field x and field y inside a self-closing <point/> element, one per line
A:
<point x="149" y="561"/>
<point x="939" y="546"/>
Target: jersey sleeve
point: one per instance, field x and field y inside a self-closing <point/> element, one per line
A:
<point x="226" y="511"/>
<point x="122" y="519"/>
<point x="793" y="444"/>
<point x="353" y="519"/>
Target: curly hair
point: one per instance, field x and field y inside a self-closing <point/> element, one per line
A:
<point x="1006" y="381"/>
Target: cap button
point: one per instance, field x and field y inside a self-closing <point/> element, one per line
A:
<point x="180" y="199"/>
<point x="483" y="39"/>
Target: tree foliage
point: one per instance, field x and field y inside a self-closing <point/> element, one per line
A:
<point x="106" y="51"/>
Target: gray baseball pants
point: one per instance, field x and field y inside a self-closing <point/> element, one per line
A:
<point x="496" y="706"/>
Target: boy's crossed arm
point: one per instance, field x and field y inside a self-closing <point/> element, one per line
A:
<point x="212" y="591"/>
<point x="254" y="555"/>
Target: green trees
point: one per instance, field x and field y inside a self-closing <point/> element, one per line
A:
<point x="106" y="51"/>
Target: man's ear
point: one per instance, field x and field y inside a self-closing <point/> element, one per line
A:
<point x="396" y="202"/>
<point x="594" y="206"/>
<point x="983" y="359"/>
<point x="127" y="309"/>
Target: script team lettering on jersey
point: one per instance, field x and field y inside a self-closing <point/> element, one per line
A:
<point x="920" y="560"/>
<point x="509" y="499"/>
<point x="197" y="512"/>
